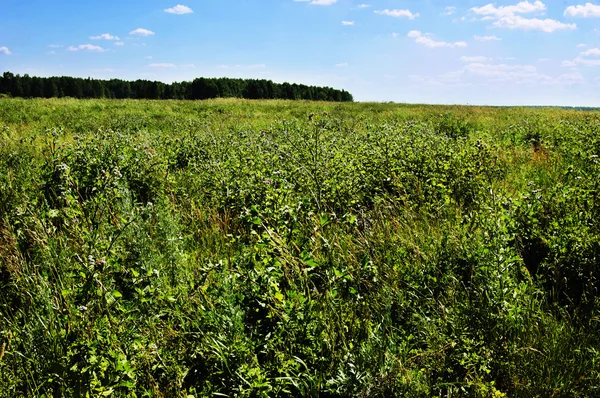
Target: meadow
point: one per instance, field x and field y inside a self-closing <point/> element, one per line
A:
<point x="288" y="248"/>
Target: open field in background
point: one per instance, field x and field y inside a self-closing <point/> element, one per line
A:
<point x="243" y="248"/>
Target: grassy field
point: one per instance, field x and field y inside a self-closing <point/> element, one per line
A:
<point x="276" y="248"/>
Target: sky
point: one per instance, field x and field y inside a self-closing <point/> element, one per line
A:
<point x="413" y="51"/>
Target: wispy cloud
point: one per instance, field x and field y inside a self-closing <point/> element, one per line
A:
<point x="348" y="23"/>
<point x="148" y="57"/>
<point x="319" y="2"/>
<point x="119" y="43"/>
<point x="588" y="10"/>
<point x="504" y="72"/>
<point x="451" y="10"/>
<point x="54" y="46"/>
<point x="162" y="65"/>
<point x="477" y="58"/>
<point x="240" y="66"/>
<point x="86" y="47"/>
<point x="141" y="32"/>
<point x="427" y="41"/>
<point x="342" y="65"/>
<point x="483" y="74"/>
<point x="397" y="13"/>
<point x="486" y="38"/>
<point x="571" y="78"/>
<point x="105" y="36"/>
<point x="4" y="50"/>
<point x="582" y="60"/>
<point x="364" y="5"/>
<point x="179" y="9"/>
<point x="488" y="73"/>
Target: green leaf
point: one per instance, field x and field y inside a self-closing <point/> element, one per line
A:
<point x="279" y="296"/>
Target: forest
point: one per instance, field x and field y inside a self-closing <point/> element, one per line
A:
<point x="201" y="88"/>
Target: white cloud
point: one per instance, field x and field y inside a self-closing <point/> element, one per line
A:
<point x="503" y="72"/>
<point x="320" y="2"/>
<point x="119" y="43"/>
<point x="498" y="69"/>
<point x="581" y="45"/>
<point x="395" y="35"/>
<point x="342" y="65"/>
<point x="163" y="65"/>
<point x="544" y="25"/>
<point x="86" y="47"/>
<point x="486" y="38"/>
<point x="397" y="13"/>
<point x="51" y="52"/>
<point x="571" y="78"/>
<point x="592" y="51"/>
<point x="477" y="58"/>
<point x="5" y="51"/>
<point x="141" y="32"/>
<point x="54" y="46"/>
<point x="506" y="17"/>
<point x="238" y="66"/>
<point x="581" y="61"/>
<point x="588" y="10"/>
<point x="427" y="41"/>
<point x="148" y="57"/>
<point x="506" y="11"/>
<point x="348" y="23"/>
<point x="364" y="5"/>
<point x="487" y="74"/>
<point x="449" y="11"/>
<point x="189" y="66"/>
<point x="587" y="62"/>
<point x="179" y="10"/>
<point x="105" y="36"/>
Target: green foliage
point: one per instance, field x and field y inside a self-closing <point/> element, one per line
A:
<point x="273" y="248"/>
<point x="199" y="89"/>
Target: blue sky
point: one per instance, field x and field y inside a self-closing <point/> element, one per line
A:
<point x="428" y="51"/>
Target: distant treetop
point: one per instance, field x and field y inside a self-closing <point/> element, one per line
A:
<point x="201" y="88"/>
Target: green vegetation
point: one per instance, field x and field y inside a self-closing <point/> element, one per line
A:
<point x="274" y="248"/>
<point x="202" y="88"/>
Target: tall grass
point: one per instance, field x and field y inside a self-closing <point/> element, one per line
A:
<point x="277" y="248"/>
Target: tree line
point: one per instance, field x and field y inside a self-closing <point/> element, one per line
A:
<point x="202" y="88"/>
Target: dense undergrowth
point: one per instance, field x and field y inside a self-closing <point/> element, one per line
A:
<point x="238" y="248"/>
